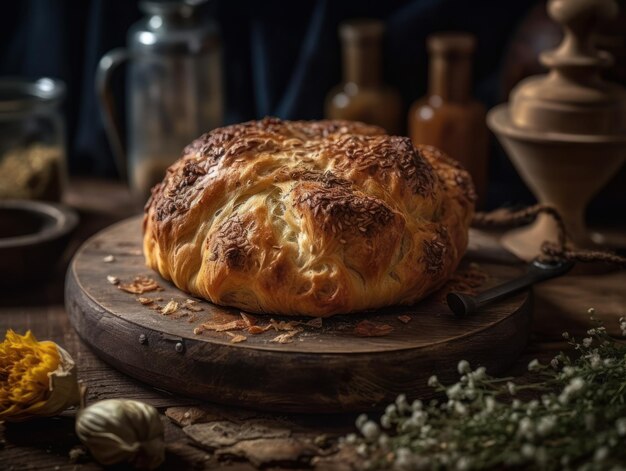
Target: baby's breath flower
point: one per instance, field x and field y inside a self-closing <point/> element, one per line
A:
<point x="595" y="361"/>
<point x="480" y="373"/>
<point x="391" y="410"/>
<point x="361" y="449"/>
<point x="433" y="382"/>
<point x="455" y="391"/>
<point x="460" y="408"/>
<point x="528" y="451"/>
<point x="534" y="365"/>
<point x="546" y="425"/>
<point x="511" y="388"/>
<point x="463" y="463"/>
<point x="463" y="367"/>
<point x="370" y="430"/>
<point x="525" y="427"/>
<point x="403" y="458"/>
<point x="568" y="371"/>
<point x="360" y="420"/>
<point x="385" y="421"/>
<point x="565" y="335"/>
<point x="591" y="311"/>
<point x="579" y="403"/>
<point x="601" y="454"/>
<point x="574" y="386"/>
<point x="402" y="404"/>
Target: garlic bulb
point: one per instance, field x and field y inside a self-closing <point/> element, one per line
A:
<point x="118" y="430"/>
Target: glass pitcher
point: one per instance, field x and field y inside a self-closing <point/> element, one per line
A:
<point x="173" y="89"/>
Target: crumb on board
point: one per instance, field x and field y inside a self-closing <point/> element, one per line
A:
<point x="287" y="337"/>
<point x="114" y="280"/>
<point x="236" y="338"/>
<point x="140" y="285"/>
<point x="108" y="258"/>
<point x="248" y="319"/>
<point x="405" y="319"/>
<point x="315" y="323"/>
<point x="192" y="305"/>
<point x="170" y="308"/>
<point x="372" y="329"/>
<point x="257" y="329"/>
<point x="145" y="301"/>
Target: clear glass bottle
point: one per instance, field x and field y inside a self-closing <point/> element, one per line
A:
<point x="363" y="96"/>
<point x="448" y="117"/>
<point x="32" y="139"/>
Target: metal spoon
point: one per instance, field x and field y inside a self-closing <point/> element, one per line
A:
<point x="464" y="304"/>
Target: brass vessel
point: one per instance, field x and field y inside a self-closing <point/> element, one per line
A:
<point x="565" y="131"/>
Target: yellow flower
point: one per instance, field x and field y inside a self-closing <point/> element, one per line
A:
<point x="36" y="378"/>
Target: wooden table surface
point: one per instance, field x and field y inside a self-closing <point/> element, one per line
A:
<point x="51" y="443"/>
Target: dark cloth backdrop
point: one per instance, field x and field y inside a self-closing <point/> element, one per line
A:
<point x="280" y="58"/>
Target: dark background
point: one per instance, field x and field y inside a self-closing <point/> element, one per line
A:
<point x="280" y="58"/>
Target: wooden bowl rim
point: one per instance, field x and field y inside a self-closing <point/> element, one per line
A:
<point x="65" y="221"/>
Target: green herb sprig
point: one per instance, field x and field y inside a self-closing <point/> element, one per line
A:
<point x="577" y="421"/>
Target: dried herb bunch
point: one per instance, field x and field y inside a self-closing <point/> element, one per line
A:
<point x="578" y="420"/>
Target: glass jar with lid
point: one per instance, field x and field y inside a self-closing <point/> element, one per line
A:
<point x="32" y="139"/>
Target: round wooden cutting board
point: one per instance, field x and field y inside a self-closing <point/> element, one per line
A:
<point x="337" y="367"/>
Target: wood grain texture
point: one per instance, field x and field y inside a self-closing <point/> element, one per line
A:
<point x="324" y="370"/>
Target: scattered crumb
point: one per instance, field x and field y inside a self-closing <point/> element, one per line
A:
<point x="192" y="305"/>
<point x="170" y="308"/>
<point x="192" y="318"/>
<point x="282" y="325"/>
<point x="405" y="319"/>
<point x="236" y="338"/>
<point x="248" y="319"/>
<point x="287" y="337"/>
<point x="145" y="301"/>
<point x="77" y="453"/>
<point x="108" y="259"/>
<point x="372" y="329"/>
<point x="317" y="323"/>
<point x="234" y="325"/>
<point x="140" y="285"/>
<point x="257" y="329"/>
<point x="114" y="280"/>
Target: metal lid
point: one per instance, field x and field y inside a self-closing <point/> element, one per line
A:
<point x="19" y="95"/>
<point x="573" y="98"/>
<point x="172" y="27"/>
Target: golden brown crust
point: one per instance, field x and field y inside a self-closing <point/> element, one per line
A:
<point x="308" y="218"/>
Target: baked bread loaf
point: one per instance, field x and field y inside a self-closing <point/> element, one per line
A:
<point x="308" y="218"/>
